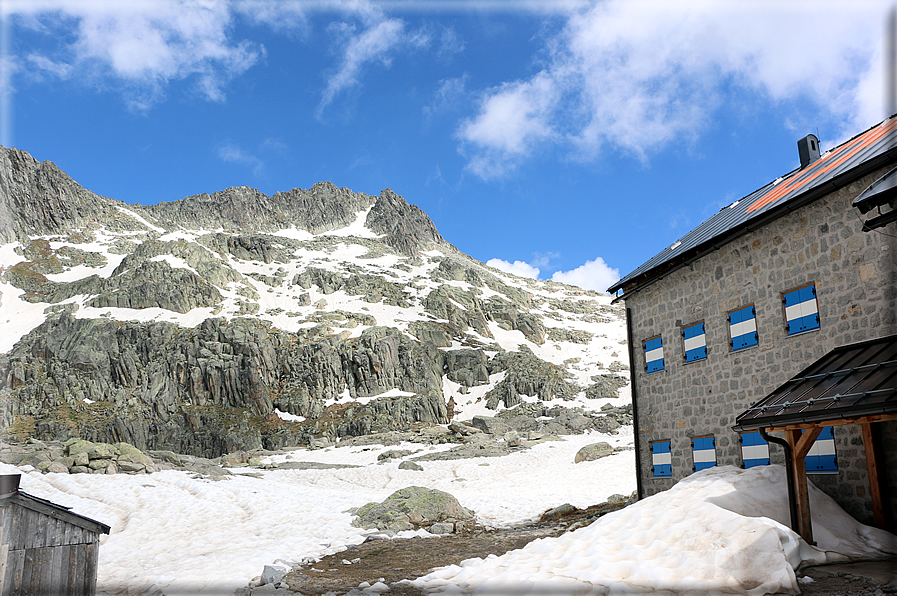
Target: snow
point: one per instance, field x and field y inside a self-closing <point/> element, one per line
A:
<point x="720" y="530"/>
<point x="294" y="233"/>
<point x="717" y="531"/>
<point x="289" y="417"/>
<point x="17" y="317"/>
<point x="356" y="228"/>
<point x="130" y="213"/>
<point x="171" y="531"/>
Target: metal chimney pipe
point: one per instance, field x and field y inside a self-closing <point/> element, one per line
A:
<point x="9" y="485"/>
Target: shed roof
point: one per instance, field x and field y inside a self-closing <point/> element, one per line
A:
<point x="848" y="383"/>
<point x="850" y="160"/>
<point x="54" y="510"/>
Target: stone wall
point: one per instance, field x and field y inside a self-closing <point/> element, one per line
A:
<point x="856" y="283"/>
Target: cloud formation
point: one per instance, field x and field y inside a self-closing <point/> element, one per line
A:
<point x="373" y="44"/>
<point x="144" y="44"/>
<point x="232" y="153"/>
<point x="636" y="75"/>
<point x="518" y="268"/>
<point x="592" y="275"/>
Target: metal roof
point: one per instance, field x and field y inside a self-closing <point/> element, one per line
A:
<point x="847" y="383"/>
<point x="830" y="171"/>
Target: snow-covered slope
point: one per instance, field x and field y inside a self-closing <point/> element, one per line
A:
<point x="286" y="307"/>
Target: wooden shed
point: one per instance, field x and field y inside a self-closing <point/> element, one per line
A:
<point x="45" y="548"/>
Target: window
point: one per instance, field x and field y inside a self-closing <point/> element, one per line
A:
<point x="660" y="453"/>
<point x="801" y="313"/>
<point x="704" y="452"/>
<point x="822" y="457"/>
<point x="754" y="450"/>
<point x="743" y="328"/>
<point x="695" y="342"/>
<point x="654" y="354"/>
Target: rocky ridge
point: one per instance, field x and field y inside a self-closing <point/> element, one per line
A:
<point x="235" y="321"/>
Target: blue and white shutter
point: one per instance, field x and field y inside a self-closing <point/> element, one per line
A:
<point x="695" y="342"/>
<point x="822" y="457"/>
<point x="801" y="312"/>
<point x="654" y="354"/>
<point x="662" y="459"/>
<point x="704" y="452"/>
<point x="754" y="450"/>
<point x="743" y="328"/>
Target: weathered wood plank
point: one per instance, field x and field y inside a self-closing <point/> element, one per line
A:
<point x="92" y="565"/>
<point x="58" y="568"/>
<point x="24" y="528"/>
<point x="15" y="564"/>
<point x="76" y="572"/>
<point x="45" y="562"/>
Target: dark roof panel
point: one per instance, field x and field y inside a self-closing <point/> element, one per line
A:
<point x="862" y="148"/>
<point x="847" y="383"/>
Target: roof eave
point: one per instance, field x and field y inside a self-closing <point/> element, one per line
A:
<point x="648" y="277"/>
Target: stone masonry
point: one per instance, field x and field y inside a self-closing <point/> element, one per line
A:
<point x="855" y="273"/>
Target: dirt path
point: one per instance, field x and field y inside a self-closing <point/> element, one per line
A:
<point x="391" y="561"/>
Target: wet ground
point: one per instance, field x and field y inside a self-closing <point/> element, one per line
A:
<point x="390" y="561"/>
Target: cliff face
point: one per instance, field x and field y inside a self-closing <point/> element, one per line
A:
<point x="311" y="313"/>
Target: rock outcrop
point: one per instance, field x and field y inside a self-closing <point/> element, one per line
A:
<point x="234" y="321"/>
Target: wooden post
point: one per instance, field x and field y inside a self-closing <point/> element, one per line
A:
<point x="878" y="487"/>
<point x="800" y="446"/>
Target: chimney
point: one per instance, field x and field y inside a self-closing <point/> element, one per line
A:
<point x="808" y="148"/>
<point x="9" y="485"/>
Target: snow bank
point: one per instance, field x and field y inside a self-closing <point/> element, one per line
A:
<point x="718" y="531"/>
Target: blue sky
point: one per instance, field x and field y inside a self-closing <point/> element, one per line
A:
<point x="570" y="137"/>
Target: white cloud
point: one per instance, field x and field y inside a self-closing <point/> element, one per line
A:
<point x="232" y="153"/>
<point x="513" y="120"/>
<point x="638" y="74"/>
<point x="371" y="45"/>
<point x="450" y="94"/>
<point x="593" y="275"/>
<point x="516" y="268"/>
<point x="144" y="44"/>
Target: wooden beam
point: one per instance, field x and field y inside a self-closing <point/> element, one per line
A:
<point x="805" y="442"/>
<point x="878" y="485"/>
<point x="801" y="490"/>
<point x="835" y="422"/>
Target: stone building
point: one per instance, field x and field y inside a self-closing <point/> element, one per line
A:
<point x="752" y="297"/>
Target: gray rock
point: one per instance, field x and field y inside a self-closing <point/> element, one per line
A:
<point x="527" y="375"/>
<point x="441" y="528"/>
<point x="273" y="574"/>
<point x="593" y="452"/>
<point x="559" y="511"/>
<point x="394" y="454"/>
<point x="605" y="386"/>
<point x="410" y="465"/>
<point x="488" y="424"/>
<point x="410" y="508"/>
<point x="57" y="467"/>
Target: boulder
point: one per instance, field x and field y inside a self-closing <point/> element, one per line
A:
<point x="273" y="574"/>
<point x="102" y="451"/>
<point x="410" y="508"/>
<point x="488" y="424"/>
<point x="593" y="452"/>
<point x="57" y="467"/>
<point x="410" y="465"/>
<point x="441" y="528"/>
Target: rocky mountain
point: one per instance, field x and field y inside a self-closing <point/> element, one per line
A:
<point x="234" y="320"/>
